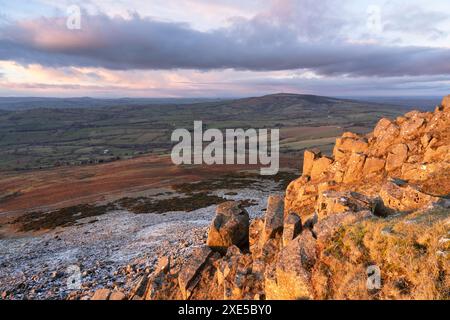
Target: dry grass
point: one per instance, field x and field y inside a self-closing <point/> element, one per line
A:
<point x="410" y="250"/>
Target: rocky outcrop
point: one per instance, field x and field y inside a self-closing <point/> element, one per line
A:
<point x="415" y="148"/>
<point x="379" y="201"/>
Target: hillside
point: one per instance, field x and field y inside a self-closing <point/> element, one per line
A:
<point x="87" y="131"/>
<point x="369" y="222"/>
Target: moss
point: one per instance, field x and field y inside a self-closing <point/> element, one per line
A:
<point x="35" y="221"/>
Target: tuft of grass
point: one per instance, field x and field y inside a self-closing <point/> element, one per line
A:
<point x="410" y="250"/>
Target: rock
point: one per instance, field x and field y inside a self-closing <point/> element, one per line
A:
<point x="326" y="227"/>
<point x="320" y="166"/>
<point x="409" y="128"/>
<point x="395" y="198"/>
<point x="350" y="145"/>
<point x="229" y="227"/>
<point x="289" y="278"/>
<point x="425" y="140"/>
<point x="56" y="274"/>
<point x="421" y="171"/>
<point x="397" y="157"/>
<point x="255" y="232"/>
<point x="273" y="222"/>
<point x="292" y="228"/>
<point x="441" y="153"/>
<point x="355" y="168"/>
<point x="139" y="289"/>
<point x="101" y="294"/>
<point x="234" y="273"/>
<point x="309" y="156"/>
<point x="163" y="264"/>
<point x="187" y="278"/>
<point x="373" y="165"/>
<point x="117" y="295"/>
<point x="334" y="202"/>
<point x="380" y="128"/>
<point x="384" y="138"/>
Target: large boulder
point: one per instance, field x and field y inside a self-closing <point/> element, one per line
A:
<point x="229" y="227"/>
<point x="273" y="222"/>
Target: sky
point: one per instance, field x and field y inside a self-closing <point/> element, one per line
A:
<point x="224" y="48"/>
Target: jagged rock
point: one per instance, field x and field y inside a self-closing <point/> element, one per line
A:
<point x="373" y="165"/>
<point x="397" y="157"/>
<point x="421" y="171"/>
<point x="333" y="202"/>
<point x="273" y="222"/>
<point x="234" y="274"/>
<point x="352" y="144"/>
<point x="380" y="128"/>
<point x="255" y="232"/>
<point x="229" y="227"/>
<point x="292" y="228"/>
<point x="410" y="127"/>
<point x="386" y="132"/>
<point x="289" y="278"/>
<point x="320" y="166"/>
<point x="139" y="290"/>
<point x="425" y="140"/>
<point x="309" y="156"/>
<point x="117" y="295"/>
<point x="163" y="264"/>
<point x="396" y="198"/>
<point x="355" y="167"/>
<point x="441" y="153"/>
<point x="101" y="294"/>
<point x="187" y="278"/>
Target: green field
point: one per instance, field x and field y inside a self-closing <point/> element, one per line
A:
<point x="45" y="137"/>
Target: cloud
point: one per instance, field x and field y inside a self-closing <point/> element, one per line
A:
<point x="280" y="40"/>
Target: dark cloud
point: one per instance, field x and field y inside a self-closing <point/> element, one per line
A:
<point x="264" y="43"/>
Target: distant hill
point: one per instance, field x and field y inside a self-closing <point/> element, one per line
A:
<point x="21" y="103"/>
<point x="85" y="130"/>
